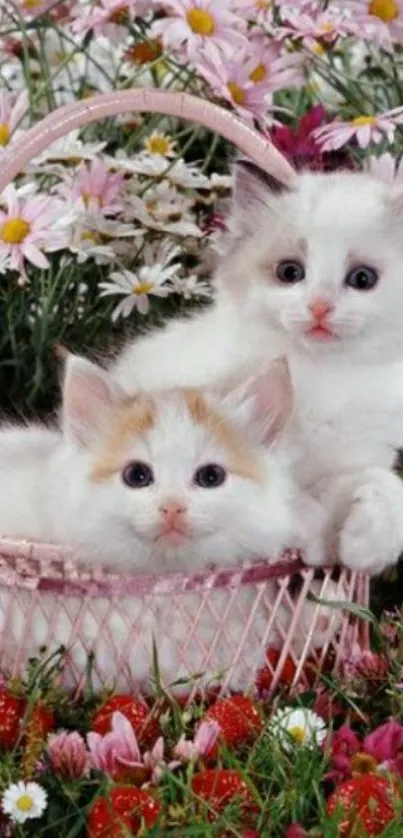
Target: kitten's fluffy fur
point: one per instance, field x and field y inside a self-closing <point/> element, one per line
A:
<point x="348" y="390"/>
<point x="67" y="487"/>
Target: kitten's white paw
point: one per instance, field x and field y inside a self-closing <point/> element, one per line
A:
<point x="372" y="536"/>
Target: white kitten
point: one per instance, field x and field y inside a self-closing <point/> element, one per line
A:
<point x="314" y="269"/>
<point x="157" y="483"/>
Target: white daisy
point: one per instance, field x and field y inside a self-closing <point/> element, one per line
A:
<point x="136" y="288"/>
<point x="191" y="286"/>
<point x="298" y="726"/>
<point x="24" y="801"/>
<point x="158" y="143"/>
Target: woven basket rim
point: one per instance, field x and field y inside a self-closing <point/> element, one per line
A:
<point x="52" y="568"/>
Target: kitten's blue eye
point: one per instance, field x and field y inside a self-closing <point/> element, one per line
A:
<point x="290" y="271"/>
<point x="137" y="475"/>
<point x="362" y="278"/>
<point x="210" y="476"/>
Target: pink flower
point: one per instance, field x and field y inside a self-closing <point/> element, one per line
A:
<point x="118" y="754"/>
<point x="386" y="742"/>
<point x="310" y="24"/>
<point x="366" y="666"/>
<point x="32" y="10"/>
<point x="231" y="80"/>
<point x="28" y="227"/>
<point x="11" y="112"/>
<point x="192" y="24"/>
<point x="68" y="755"/>
<point x="255" y="11"/>
<point x="117" y="749"/>
<point x="94" y="188"/>
<point x="344" y="744"/>
<point x="205" y="738"/>
<point x="377" y="20"/>
<point x="274" y="66"/>
<point x="295" y="830"/>
<point x="108" y="17"/>
<point x="363" y="129"/>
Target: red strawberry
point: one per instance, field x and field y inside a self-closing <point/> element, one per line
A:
<point x="365" y="802"/>
<point x="145" y="726"/>
<point x="238" y="718"/>
<point x="221" y="786"/>
<point x="12" y="709"/>
<point x="121" y="812"/>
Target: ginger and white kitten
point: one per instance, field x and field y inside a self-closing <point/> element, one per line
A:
<point x="313" y="269"/>
<point x="158" y="482"/>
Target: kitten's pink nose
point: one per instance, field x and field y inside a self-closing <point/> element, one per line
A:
<point x="172" y="511"/>
<point x="320" y="308"/>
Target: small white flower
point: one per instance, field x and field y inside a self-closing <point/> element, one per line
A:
<point x="191" y="286"/>
<point x="298" y="726"/>
<point x="24" y="801"/>
<point x="160" y="144"/>
<point x="136" y="288"/>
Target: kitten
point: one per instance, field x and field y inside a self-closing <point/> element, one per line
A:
<point x="313" y="269"/>
<point x="157" y="483"/>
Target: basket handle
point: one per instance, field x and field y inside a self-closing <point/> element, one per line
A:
<point x="74" y="115"/>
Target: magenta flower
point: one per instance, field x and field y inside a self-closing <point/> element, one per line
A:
<point x="28" y="227"/>
<point x="204" y="740"/>
<point x="344" y="744"/>
<point x="386" y="742"/>
<point x="295" y="830"/>
<point x="94" y="188"/>
<point x="68" y="755"/>
<point x="298" y="143"/>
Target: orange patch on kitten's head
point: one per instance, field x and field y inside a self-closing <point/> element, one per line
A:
<point x="137" y="416"/>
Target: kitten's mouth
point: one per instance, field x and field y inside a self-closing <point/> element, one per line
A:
<point x="174" y="535"/>
<point x="320" y="332"/>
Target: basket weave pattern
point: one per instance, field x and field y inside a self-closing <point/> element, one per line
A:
<point x="217" y="623"/>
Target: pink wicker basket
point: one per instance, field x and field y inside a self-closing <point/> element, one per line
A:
<point x="45" y="600"/>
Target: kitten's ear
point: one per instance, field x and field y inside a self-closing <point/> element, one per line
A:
<point x="265" y="403"/>
<point x="89" y="396"/>
<point x="252" y="191"/>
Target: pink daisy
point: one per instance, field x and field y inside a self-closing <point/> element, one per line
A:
<point x="94" y="188"/>
<point x="231" y="80"/>
<point x="107" y="17"/>
<point x="311" y="24"/>
<point x="256" y="11"/>
<point x="11" y="112"/>
<point x="378" y="20"/>
<point x="364" y="129"/>
<point x="31" y="8"/>
<point x="274" y="67"/>
<point x="28" y="227"/>
<point x="193" y="24"/>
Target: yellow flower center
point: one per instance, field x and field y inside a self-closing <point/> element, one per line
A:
<point x="236" y="92"/>
<point x="386" y="10"/>
<point x="326" y="28"/>
<point x="297" y="733"/>
<point x="24" y="803"/>
<point x="31" y="4"/>
<point x="142" y="288"/>
<point x="4" y="133"/>
<point x="14" y="230"/>
<point x="318" y="49"/>
<point x="363" y="764"/>
<point x="363" y="120"/>
<point x="119" y="16"/>
<point x="259" y="73"/>
<point x="201" y="22"/>
<point x="157" y="144"/>
<point x="262" y="5"/>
